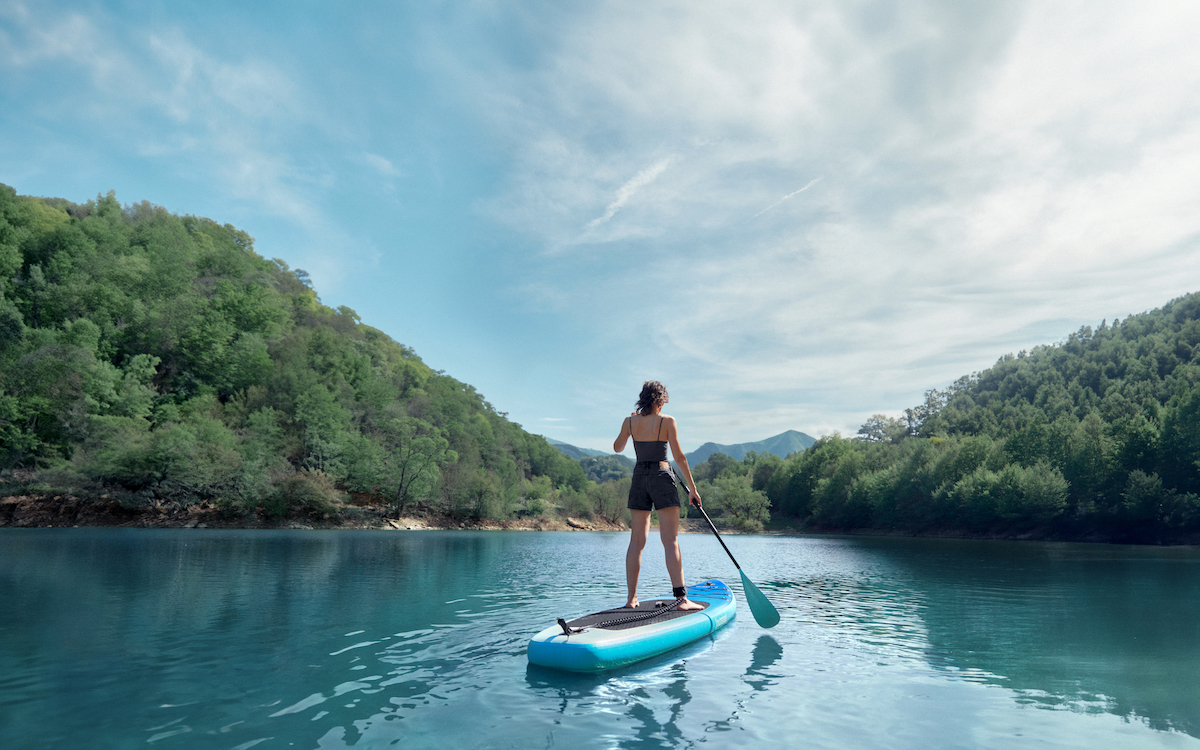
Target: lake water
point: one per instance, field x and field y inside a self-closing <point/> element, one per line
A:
<point x="115" y="638"/>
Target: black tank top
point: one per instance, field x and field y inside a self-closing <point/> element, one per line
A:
<point x="649" y="451"/>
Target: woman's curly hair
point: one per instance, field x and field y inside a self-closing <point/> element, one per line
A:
<point x="653" y="394"/>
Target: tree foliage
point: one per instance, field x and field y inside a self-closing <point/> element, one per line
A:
<point x="1095" y="437"/>
<point x="606" y="468"/>
<point x="160" y="355"/>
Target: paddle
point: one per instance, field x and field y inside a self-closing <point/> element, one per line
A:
<point x="764" y="612"/>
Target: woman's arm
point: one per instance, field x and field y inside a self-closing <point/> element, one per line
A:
<point x="681" y="460"/>
<point x="623" y="438"/>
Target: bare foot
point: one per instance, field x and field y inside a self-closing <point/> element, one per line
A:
<point x="686" y="604"/>
<point x="632" y="603"/>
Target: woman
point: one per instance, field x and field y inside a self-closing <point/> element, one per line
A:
<point x="654" y="487"/>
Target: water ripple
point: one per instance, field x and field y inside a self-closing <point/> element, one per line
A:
<point x="418" y="640"/>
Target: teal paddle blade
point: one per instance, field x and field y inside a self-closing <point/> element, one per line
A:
<point x="764" y="612"/>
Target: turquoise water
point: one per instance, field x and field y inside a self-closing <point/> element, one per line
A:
<point x="229" y="639"/>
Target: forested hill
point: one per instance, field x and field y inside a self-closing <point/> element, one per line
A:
<point x="1094" y="437"/>
<point x="160" y="356"/>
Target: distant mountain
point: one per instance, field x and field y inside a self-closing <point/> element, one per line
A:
<point x="598" y="465"/>
<point x="573" y="452"/>
<point x="781" y="445"/>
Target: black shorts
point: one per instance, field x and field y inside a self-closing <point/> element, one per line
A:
<point x="653" y="487"/>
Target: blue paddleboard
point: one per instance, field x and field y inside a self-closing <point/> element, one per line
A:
<point x="616" y="637"/>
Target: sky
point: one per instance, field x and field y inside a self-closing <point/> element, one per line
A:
<point x="795" y="214"/>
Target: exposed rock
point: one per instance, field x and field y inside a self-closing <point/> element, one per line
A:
<point x="104" y="510"/>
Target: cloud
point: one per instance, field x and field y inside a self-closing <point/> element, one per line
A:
<point x="790" y="195"/>
<point x="159" y="94"/>
<point x="381" y="165"/>
<point x="627" y="191"/>
<point x="240" y="116"/>
<point x="239" y="125"/>
<point x="61" y="36"/>
<point x="994" y="177"/>
<point x="990" y="177"/>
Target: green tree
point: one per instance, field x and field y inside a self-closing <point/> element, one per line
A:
<point x="882" y="428"/>
<point x="606" y="468"/>
<point x="716" y="465"/>
<point x="731" y="497"/>
<point x="325" y="429"/>
<point x="405" y="463"/>
<point x="764" y="469"/>
<point x="1180" y="440"/>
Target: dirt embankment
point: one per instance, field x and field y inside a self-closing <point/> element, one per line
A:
<point x="33" y="511"/>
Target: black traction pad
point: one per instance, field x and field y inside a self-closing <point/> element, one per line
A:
<point x="646" y="613"/>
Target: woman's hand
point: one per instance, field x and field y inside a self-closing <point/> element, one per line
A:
<point x="694" y="498"/>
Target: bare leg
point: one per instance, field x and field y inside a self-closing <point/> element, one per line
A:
<point x="668" y="529"/>
<point x="639" y="528"/>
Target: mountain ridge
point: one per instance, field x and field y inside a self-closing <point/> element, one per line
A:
<point x="782" y="445"/>
<point x="575" y="451"/>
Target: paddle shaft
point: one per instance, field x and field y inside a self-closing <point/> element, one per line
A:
<point x="718" y="535"/>
<point x="764" y="612"/>
<point x="714" y="529"/>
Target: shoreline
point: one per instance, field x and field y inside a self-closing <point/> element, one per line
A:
<point x="65" y="510"/>
<point x="72" y="511"/>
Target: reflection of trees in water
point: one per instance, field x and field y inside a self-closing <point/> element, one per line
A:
<point x="279" y="616"/>
<point x="858" y="609"/>
<point x="1091" y="628"/>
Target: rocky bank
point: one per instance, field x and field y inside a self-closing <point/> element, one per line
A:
<point x="50" y="511"/>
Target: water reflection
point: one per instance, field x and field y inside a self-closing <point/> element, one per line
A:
<point x="1064" y="626"/>
<point x="190" y="635"/>
<point x="239" y="640"/>
<point x="767" y="651"/>
<point x="654" y="695"/>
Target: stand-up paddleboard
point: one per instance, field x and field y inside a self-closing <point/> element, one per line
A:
<point x="616" y="637"/>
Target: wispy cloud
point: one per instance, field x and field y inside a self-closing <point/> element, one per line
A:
<point x="627" y="191"/>
<point x="792" y="194"/>
<point x="977" y="168"/>
<point x="381" y="165"/>
<point x="232" y="125"/>
<point x="988" y="179"/>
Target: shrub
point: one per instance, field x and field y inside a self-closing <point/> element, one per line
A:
<point x="732" y="498"/>
<point x="574" y="503"/>
<point x="310" y="491"/>
<point x="609" y="500"/>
